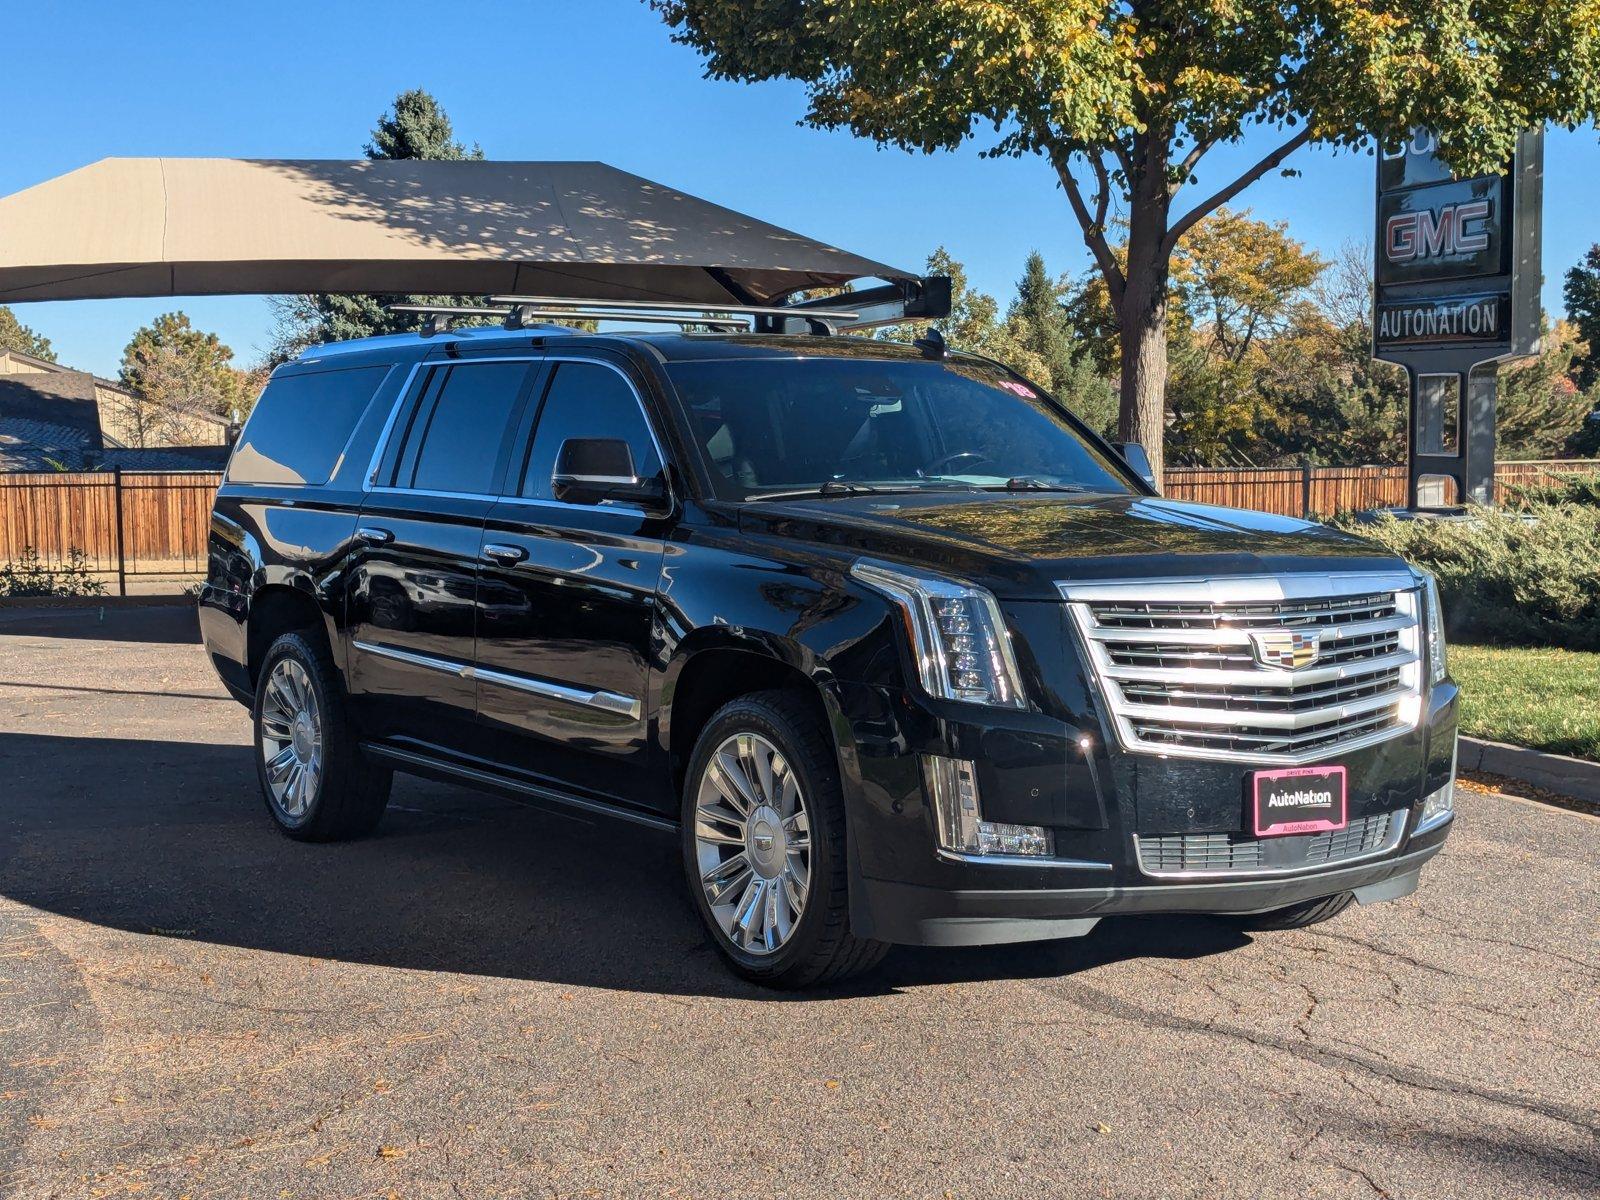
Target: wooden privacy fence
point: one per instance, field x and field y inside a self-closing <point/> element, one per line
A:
<point x="1323" y="491"/>
<point x="156" y="523"/>
<point x="125" y="523"/>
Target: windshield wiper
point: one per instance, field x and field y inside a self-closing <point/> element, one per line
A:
<point x="839" y="487"/>
<point x="1032" y="483"/>
<point x="833" y="487"/>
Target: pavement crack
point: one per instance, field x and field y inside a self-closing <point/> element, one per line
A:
<point x="1390" y="952"/>
<point x="1373" y="1063"/>
<point x="1377" y="1188"/>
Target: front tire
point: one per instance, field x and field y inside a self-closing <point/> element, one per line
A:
<point x="316" y="782"/>
<point x="764" y="845"/>
<point x="1296" y="916"/>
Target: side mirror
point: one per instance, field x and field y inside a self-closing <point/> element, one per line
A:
<point x="594" y="470"/>
<point x="1138" y="461"/>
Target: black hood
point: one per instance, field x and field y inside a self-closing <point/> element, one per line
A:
<point x="1020" y="546"/>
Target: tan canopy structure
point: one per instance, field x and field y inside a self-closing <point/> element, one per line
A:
<point x="208" y="226"/>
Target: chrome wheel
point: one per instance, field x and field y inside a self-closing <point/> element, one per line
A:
<point x="291" y="738"/>
<point x="752" y="843"/>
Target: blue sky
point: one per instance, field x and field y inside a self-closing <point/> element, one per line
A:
<point x="585" y="79"/>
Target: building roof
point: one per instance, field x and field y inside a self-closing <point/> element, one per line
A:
<point x="201" y="226"/>
<point x="166" y="458"/>
<point x="28" y="445"/>
<point x="55" y="368"/>
<point x="48" y="421"/>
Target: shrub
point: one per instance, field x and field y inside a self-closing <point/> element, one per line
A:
<point x="1566" y="489"/>
<point x="30" y="576"/>
<point x="1529" y="577"/>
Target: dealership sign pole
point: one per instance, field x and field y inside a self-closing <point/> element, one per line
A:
<point x="1457" y="293"/>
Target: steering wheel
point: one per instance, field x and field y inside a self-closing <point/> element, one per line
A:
<point x="936" y="467"/>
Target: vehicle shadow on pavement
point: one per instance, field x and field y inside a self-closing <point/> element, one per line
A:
<point x="170" y="838"/>
<point x="172" y="625"/>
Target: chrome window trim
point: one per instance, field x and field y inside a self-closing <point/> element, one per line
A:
<point x="611" y="702"/>
<point x="1398" y="819"/>
<point x="344" y="450"/>
<point x="1239" y="589"/>
<point x="554" y="360"/>
<point x="388" y="425"/>
<point x="405" y="394"/>
<point x="371" y="478"/>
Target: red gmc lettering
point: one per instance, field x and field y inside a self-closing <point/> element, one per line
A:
<point x="1426" y="234"/>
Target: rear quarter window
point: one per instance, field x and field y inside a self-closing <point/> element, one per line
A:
<point x="301" y="425"/>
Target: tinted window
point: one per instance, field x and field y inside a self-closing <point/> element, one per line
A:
<point x="587" y="401"/>
<point x="301" y="424"/>
<point x="457" y="432"/>
<point x="774" y="425"/>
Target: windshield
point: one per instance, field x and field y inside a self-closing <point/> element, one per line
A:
<point x="771" y="427"/>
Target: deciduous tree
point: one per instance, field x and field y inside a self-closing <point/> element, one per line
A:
<point x="1540" y="408"/>
<point x="173" y="371"/>
<point x="1126" y="100"/>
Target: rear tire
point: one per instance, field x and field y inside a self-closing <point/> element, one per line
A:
<point x="1296" y="916"/>
<point x="316" y="782"/>
<point x="763" y="835"/>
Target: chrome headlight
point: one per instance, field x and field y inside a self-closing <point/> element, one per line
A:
<point x="1433" y="618"/>
<point x="958" y="637"/>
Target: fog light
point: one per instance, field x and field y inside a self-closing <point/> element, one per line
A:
<point x="953" y="786"/>
<point x="1437" y="807"/>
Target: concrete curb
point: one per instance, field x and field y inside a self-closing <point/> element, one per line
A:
<point x="1554" y="772"/>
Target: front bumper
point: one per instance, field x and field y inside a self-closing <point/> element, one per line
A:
<point x="924" y="916"/>
<point x="1032" y="770"/>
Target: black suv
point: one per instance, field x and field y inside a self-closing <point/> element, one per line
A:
<point x="901" y="650"/>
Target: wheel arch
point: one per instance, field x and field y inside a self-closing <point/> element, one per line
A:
<point x="710" y="671"/>
<point x="277" y="607"/>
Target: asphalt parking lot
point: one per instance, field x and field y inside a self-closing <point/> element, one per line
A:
<point x="488" y="1000"/>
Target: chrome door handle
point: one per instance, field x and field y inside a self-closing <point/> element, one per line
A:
<point x="503" y="554"/>
<point x="374" y="536"/>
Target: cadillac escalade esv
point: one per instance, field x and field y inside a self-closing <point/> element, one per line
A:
<point x="898" y="648"/>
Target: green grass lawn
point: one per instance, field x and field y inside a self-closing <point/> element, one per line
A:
<point x="1543" y="699"/>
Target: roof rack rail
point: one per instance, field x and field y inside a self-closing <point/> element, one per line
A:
<point x="868" y="308"/>
<point x="819" y="320"/>
<point x="440" y="317"/>
<point x="522" y="314"/>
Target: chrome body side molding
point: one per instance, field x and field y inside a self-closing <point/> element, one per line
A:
<point x="611" y="702"/>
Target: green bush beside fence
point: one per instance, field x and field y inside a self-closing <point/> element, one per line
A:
<point x="1528" y="576"/>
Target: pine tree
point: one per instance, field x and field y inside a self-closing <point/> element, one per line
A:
<point x="1582" y="295"/>
<point x="1039" y="322"/>
<point x="14" y="335"/>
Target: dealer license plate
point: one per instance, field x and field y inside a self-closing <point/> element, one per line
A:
<point x="1299" y="800"/>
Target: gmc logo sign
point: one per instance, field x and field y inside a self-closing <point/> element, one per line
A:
<point x="1442" y="233"/>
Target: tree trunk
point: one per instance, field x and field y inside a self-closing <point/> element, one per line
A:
<point x="1144" y="364"/>
<point x="1143" y="313"/>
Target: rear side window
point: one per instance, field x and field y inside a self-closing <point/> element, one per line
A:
<point x="301" y="424"/>
<point x="586" y="400"/>
<point x="460" y="427"/>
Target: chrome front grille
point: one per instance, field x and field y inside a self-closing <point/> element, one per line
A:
<point x="1187" y="667"/>
<point x="1240" y="853"/>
